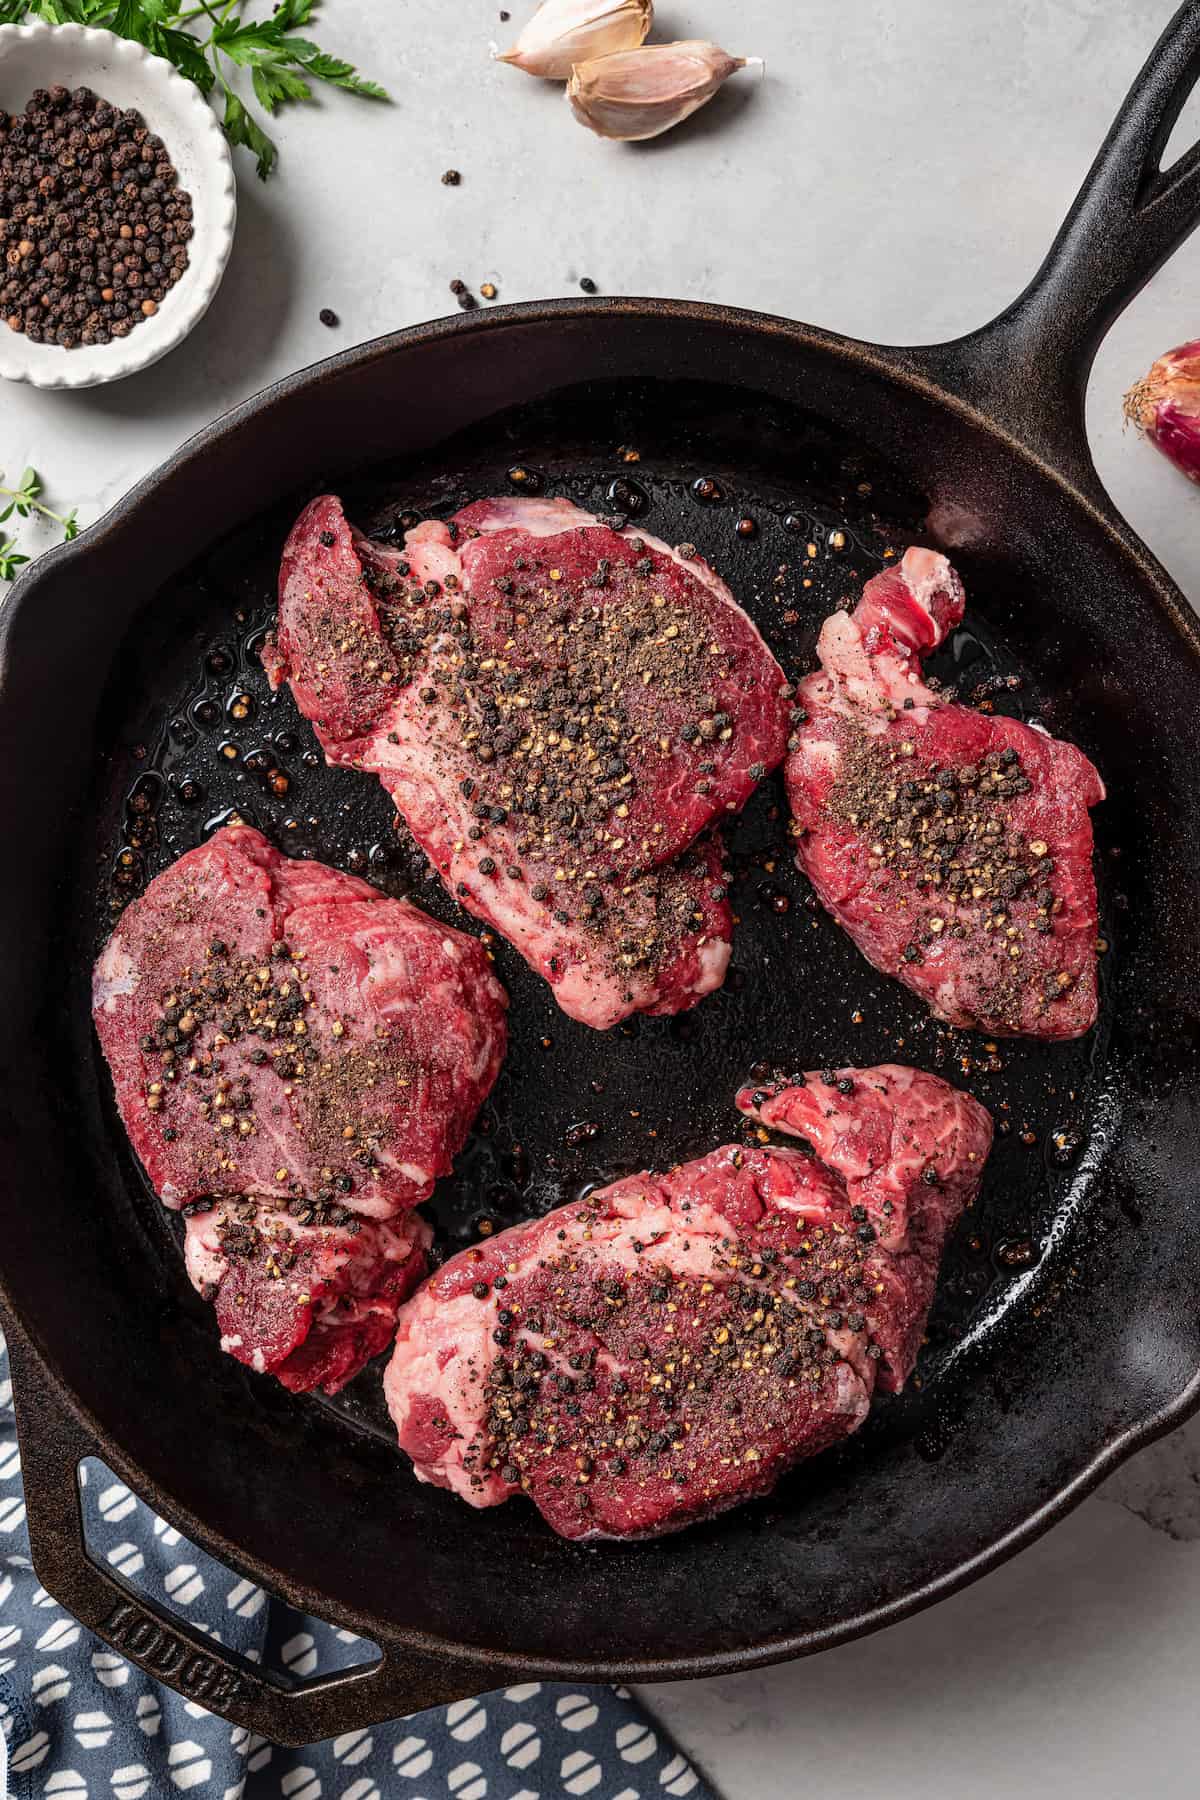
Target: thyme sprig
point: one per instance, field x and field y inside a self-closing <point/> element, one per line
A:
<point x="25" y="500"/>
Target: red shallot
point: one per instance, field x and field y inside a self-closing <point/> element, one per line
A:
<point x="1165" y="407"/>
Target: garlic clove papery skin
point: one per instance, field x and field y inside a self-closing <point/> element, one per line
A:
<point x="1165" y="407"/>
<point x="562" y="33"/>
<point x="632" y="95"/>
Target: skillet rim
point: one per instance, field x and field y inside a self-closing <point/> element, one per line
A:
<point x="917" y="369"/>
<point x="920" y="368"/>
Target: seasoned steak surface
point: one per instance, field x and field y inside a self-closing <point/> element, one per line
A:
<point x="276" y="1028"/>
<point x="954" y="847"/>
<point x="309" y="1295"/>
<point x="560" y="710"/>
<point x="669" y="1346"/>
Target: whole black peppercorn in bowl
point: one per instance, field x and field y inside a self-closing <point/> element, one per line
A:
<point x="117" y="206"/>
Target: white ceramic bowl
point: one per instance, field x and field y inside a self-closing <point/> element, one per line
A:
<point x="38" y="56"/>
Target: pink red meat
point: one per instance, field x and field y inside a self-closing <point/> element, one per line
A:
<point x="668" y="1347"/>
<point x="953" y="846"/>
<point x="308" y="1295"/>
<point x="276" y="1028"/>
<point x="909" y="1152"/>
<point x="558" y="710"/>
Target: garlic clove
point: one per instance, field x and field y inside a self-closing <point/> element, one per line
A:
<point x="1165" y="407"/>
<point x="636" y="94"/>
<point x="562" y="33"/>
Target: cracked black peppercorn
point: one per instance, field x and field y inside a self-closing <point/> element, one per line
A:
<point x="90" y="244"/>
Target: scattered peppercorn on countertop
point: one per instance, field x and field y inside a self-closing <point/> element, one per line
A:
<point x="1069" y="1670"/>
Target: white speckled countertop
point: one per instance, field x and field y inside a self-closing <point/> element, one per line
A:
<point x="897" y="175"/>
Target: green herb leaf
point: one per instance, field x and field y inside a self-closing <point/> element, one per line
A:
<point x="130" y="21"/>
<point x="290" y="13"/>
<point x="275" y="82"/>
<point x="58" y="12"/>
<point x="242" y="128"/>
<point x="10" y="559"/>
<point x="149" y="22"/>
<point x="24" y="500"/>
<point x="344" y="75"/>
<point x="53" y="12"/>
<point x="74" y="12"/>
<point x="243" y="43"/>
<point x="187" y="53"/>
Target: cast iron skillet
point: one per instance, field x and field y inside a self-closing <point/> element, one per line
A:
<point x="1066" y="1332"/>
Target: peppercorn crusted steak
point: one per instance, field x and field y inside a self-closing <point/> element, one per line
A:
<point x="953" y="846"/>
<point x="670" y="1346"/>
<point x="909" y="1151"/>
<point x="277" y="1028"/>
<point x="308" y="1298"/>
<point x="559" y="710"/>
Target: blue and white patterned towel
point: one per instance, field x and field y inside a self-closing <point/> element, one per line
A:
<point x="82" y="1723"/>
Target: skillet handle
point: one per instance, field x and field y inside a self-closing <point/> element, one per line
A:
<point x="284" y="1710"/>
<point x="1028" y="369"/>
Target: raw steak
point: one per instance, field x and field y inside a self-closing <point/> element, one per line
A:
<point x="558" y="710"/>
<point x="669" y="1346"/>
<point x="278" y="1028"/>
<point x="307" y="1293"/>
<point x="953" y="846"/>
<point x="909" y="1152"/>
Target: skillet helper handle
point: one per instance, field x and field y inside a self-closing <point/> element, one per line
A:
<point x="1028" y="369"/>
<point x="53" y="1442"/>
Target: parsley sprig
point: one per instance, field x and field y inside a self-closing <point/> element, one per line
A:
<point x="24" y="500"/>
<point x="204" y="40"/>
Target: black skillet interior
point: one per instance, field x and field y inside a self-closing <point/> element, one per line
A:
<point x="191" y="736"/>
